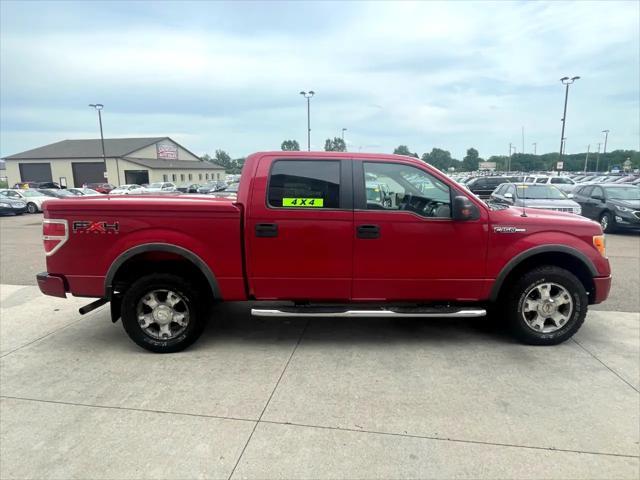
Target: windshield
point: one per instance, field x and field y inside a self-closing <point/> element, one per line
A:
<point x="540" y="192"/>
<point x="31" y="193"/>
<point x="626" y="193"/>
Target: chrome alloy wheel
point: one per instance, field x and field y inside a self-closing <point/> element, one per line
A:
<point x="162" y="314"/>
<point x="547" y="307"/>
<point x="604" y="222"/>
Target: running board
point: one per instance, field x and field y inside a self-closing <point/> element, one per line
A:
<point x="374" y="313"/>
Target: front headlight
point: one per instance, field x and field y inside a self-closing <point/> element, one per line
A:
<point x="5" y="205"/>
<point x="19" y="205"/>
<point x="623" y="209"/>
<point x="577" y="210"/>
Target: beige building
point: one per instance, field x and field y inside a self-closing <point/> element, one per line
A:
<point x="73" y="163"/>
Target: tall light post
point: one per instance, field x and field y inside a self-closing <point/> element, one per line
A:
<point x="511" y="148"/>
<point x="535" y="145"/>
<point x="606" y="136"/>
<point x="99" y="107"/>
<point x="308" y="96"/>
<point x="586" y="159"/>
<point x="598" y="157"/>
<point x="345" y="145"/>
<point x="565" y="81"/>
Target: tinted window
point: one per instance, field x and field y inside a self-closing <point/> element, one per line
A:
<point x="561" y="180"/>
<point x="304" y="184"/>
<point x="541" y="180"/>
<point x="395" y="186"/>
<point x="586" y="191"/>
<point x="597" y="191"/>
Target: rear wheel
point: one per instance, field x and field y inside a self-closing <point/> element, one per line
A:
<point x="162" y="313"/>
<point x="32" y="207"/>
<point x="546" y="306"/>
<point x="606" y="222"/>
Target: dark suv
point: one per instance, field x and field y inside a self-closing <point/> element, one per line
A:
<point x="613" y="205"/>
<point x="483" y="186"/>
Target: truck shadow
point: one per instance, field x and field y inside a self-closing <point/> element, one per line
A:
<point x="233" y="321"/>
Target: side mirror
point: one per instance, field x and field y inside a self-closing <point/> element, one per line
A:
<point x="598" y="197"/>
<point x="508" y="196"/>
<point x="464" y="209"/>
<point x="569" y="195"/>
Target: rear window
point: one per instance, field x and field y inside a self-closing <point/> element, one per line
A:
<point x="304" y="184"/>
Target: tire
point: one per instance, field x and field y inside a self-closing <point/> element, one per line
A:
<point x="32" y="207"/>
<point x="607" y="223"/>
<point x="531" y="321"/>
<point x="150" y="290"/>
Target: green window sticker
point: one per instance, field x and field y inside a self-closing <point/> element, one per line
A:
<point x="303" y="202"/>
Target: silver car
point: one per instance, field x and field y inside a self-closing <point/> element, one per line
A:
<point x="535" y="195"/>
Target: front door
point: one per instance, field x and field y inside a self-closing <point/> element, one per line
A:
<point x="407" y="246"/>
<point x="300" y="230"/>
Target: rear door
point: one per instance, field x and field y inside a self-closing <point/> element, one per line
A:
<point x="300" y="229"/>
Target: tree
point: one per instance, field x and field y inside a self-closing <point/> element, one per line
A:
<point x="404" y="150"/>
<point x="471" y="160"/>
<point x="290" y="146"/>
<point x="335" y="145"/>
<point x="222" y="157"/>
<point x="440" y="159"/>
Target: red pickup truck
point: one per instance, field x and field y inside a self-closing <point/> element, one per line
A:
<point x="325" y="234"/>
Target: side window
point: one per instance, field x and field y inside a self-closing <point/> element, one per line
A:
<point x="304" y="184"/>
<point x="395" y="186"/>
<point x="541" y="180"/>
<point x="500" y="189"/>
<point x="597" y="191"/>
<point x="165" y="178"/>
<point x="561" y="180"/>
<point x="586" y="191"/>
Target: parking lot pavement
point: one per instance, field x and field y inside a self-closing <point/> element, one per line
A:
<point x="274" y="398"/>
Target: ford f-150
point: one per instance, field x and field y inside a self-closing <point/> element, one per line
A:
<point x="325" y="234"/>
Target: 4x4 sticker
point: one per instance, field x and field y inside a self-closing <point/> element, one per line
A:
<point x="303" y="202"/>
<point x="86" y="226"/>
<point x="508" y="229"/>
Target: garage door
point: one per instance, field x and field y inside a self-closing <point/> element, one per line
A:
<point x="35" y="172"/>
<point x="87" y="172"/>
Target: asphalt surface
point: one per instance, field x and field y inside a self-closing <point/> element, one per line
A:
<point x="22" y="257"/>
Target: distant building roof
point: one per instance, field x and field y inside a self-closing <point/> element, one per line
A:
<point x="175" y="164"/>
<point x="89" y="148"/>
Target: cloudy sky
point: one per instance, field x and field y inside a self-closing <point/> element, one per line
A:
<point x="227" y="75"/>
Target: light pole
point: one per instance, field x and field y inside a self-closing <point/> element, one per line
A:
<point x="522" y="139"/>
<point x="514" y="151"/>
<point x="565" y="81"/>
<point x="586" y="159"/>
<point x="606" y="136"/>
<point x="99" y="107"/>
<point x="343" y="130"/>
<point x="308" y="96"/>
<point x="598" y="157"/>
<point x="535" y="145"/>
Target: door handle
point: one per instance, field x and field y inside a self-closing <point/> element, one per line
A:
<point x="368" y="231"/>
<point x="266" y="230"/>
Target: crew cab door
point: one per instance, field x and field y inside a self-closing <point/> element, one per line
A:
<point x="407" y="246"/>
<point x="299" y="229"/>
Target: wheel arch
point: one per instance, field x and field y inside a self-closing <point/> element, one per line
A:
<point x="558" y="255"/>
<point x="139" y="251"/>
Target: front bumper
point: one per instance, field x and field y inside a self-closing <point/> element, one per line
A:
<point x="626" y="219"/>
<point x="51" y="285"/>
<point x="601" y="291"/>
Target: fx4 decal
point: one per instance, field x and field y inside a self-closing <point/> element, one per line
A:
<point x="86" y="226"/>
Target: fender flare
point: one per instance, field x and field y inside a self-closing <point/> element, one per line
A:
<point x="518" y="259"/>
<point x="161" y="247"/>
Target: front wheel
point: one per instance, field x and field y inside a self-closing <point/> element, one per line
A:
<point x="32" y="207"/>
<point x="546" y="306"/>
<point x="162" y="313"/>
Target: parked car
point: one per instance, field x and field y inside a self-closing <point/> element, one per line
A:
<point x="564" y="183"/>
<point x="25" y="185"/>
<point x="615" y="206"/>
<point x="84" y="191"/>
<point x="229" y="192"/>
<point x="161" y="187"/>
<point x="300" y="232"/>
<point x="32" y="198"/>
<point x="483" y="186"/>
<point x="212" y="187"/>
<point x="534" y="195"/>
<point x="62" y="193"/>
<point x="12" y="206"/>
<point x="188" y="188"/>
<point x="99" y="187"/>
<point x="128" y="189"/>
